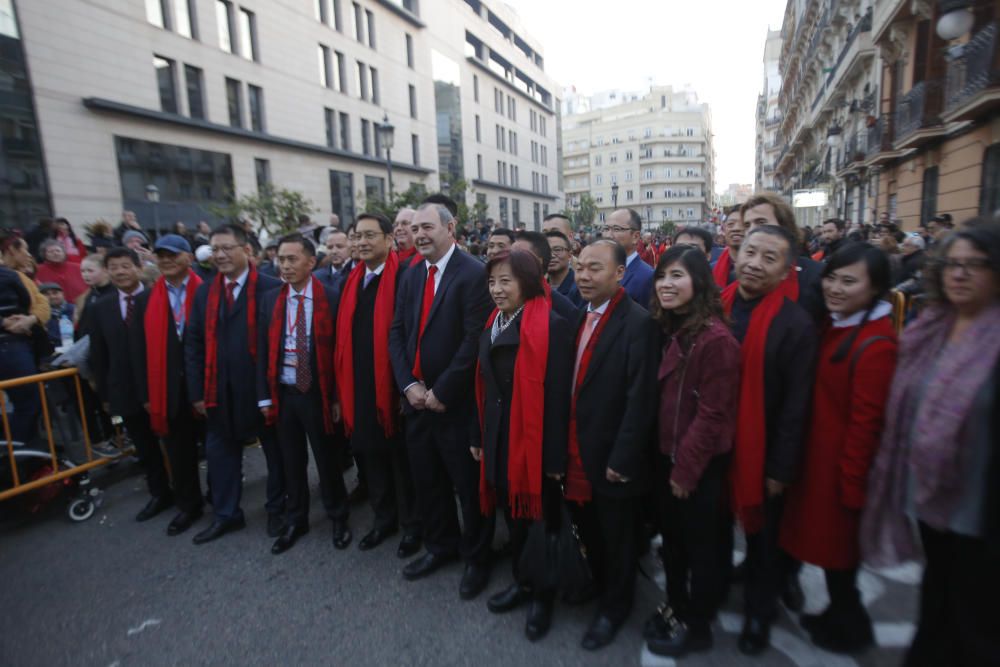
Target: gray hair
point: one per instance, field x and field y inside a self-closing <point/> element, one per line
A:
<point x="48" y="244"/>
<point x="444" y="215"/>
<point x="916" y="240"/>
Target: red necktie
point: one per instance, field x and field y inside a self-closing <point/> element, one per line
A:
<point x="425" y="310"/>
<point x="129" y="309"/>
<point x="231" y="293"/>
<point x="303" y="371"/>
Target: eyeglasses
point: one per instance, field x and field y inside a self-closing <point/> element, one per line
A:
<point x="559" y="251"/>
<point x="369" y="236"/>
<point x="615" y="229"/>
<point x="224" y="249"/>
<point x="967" y="266"/>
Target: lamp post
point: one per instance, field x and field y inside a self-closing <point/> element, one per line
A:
<point x="386" y="136"/>
<point x="955" y="20"/>
<point x="153" y="197"/>
<point x="614" y="195"/>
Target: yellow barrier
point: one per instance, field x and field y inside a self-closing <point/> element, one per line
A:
<point x="40" y="379"/>
<point x="900" y="308"/>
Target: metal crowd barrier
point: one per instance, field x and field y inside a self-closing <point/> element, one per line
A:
<point x="62" y="469"/>
<point x="900" y="309"/>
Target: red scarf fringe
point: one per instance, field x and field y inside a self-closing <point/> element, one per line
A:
<point x="159" y="323"/>
<point x="212" y="315"/>
<point x="322" y="335"/>
<point x="527" y="416"/>
<point x="750" y="450"/>
<point x="386" y="396"/>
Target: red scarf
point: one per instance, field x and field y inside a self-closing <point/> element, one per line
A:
<point x="386" y="396"/>
<point x="158" y="326"/>
<point x="322" y="334"/>
<point x="212" y="324"/>
<point x="405" y="255"/>
<point x="747" y="471"/>
<point x="527" y="416"/>
<point x="721" y="269"/>
<point x="578" y="487"/>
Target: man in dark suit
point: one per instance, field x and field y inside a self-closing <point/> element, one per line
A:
<point x="614" y="406"/>
<point x="560" y="272"/>
<point x="220" y="353"/>
<point x="369" y="395"/>
<point x="338" y="260"/>
<point x="117" y="356"/>
<point x="442" y="306"/>
<point x="624" y="226"/>
<point x="296" y="388"/>
<point x="536" y="244"/>
<point x="164" y="317"/>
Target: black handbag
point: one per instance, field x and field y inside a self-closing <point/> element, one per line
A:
<point x="555" y="559"/>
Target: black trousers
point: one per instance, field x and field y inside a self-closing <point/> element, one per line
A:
<point x="390" y="487"/>
<point x="697" y="548"/>
<point x="610" y="529"/>
<point x="958" y="624"/>
<point x="147" y="447"/>
<point x="300" y="418"/>
<point x="181" y="443"/>
<point x="518" y="529"/>
<point x="766" y="565"/>
<point x="443" y="467"/>
<point x="842" y="587"/>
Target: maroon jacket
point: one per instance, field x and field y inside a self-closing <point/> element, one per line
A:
<point x="698" y="399"/>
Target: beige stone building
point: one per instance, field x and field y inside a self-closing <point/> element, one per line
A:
<point x="653" y="153"/>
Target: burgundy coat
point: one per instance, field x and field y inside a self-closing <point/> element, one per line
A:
<point x="823" y="508"/>
<point x="698" y="399"/>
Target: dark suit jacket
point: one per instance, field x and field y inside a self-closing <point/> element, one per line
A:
<point x="237" y="413"/>
<point x="565" y="308"/>
<point x="334" y="279"/>
<point x="450" y="342"/>
<point x="617" y="401"/>
<point x="811" y="288"/>
<point x="638" y="282"/>
<point x="118" y="354"/>
<point x="177" y="401"/>
<point x="265" y="314"/>
<point x="496" y="367"/>
<point x="569" y="289"/>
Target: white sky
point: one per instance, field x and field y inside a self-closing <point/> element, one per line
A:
<point x="715" y="46"/>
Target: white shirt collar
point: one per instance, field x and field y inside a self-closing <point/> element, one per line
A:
<point x="377" y="270"/>
<point x="882" y="309"/>
<point x="242" y="279"/>
<point x="600" y="310"/>
<point x="137" y="292"/>
<point x="307" y="292"/>
<point x="181" y="287"/>
<point x="442" y="263"/>
<point x="628" y="260"/>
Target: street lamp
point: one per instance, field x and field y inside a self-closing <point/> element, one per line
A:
<point x="614" y="195"/>
<point x="386" y="136"/>
<point x="955" y="19"/>
<point x="153" y="197"/>
<point x="833" y="136"/>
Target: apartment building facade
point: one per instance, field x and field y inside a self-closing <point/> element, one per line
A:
<point x="653" y="154"/>
<point x="768" y="116"/>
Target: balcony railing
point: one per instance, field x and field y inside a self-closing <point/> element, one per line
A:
<point x="974" y="70"/>
<point x="919" y="108"/>
<point x="772" y="122"/>
<point x="879" y="136"/>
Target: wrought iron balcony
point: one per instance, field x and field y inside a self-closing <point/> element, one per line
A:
<point x="879" y="136"/>
<point x="920" y="108"/>
<point x="974" y="70"/>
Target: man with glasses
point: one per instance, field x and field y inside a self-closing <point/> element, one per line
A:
<point x="220" y="353"/>
<point x="561" y="276"/>
<point x="624" y="226"/>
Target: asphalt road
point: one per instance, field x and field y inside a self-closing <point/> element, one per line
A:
<point x="113" y="592"/>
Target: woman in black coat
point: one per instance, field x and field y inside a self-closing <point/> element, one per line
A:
<point x="523" y="458"/>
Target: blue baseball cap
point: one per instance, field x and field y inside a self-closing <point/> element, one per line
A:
<point x="173" y="243"/>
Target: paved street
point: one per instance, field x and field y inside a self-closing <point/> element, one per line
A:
<point x="113" y="592"/>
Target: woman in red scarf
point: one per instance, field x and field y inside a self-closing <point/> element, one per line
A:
<point x="523" y="391"/>
<point x="857" y="357"/>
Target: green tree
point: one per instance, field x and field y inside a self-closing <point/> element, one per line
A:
<point x="668" y="228"/>
<point x="410" y="198"/>
<point x="585" y="212"/>
<point x="273" y="210"/>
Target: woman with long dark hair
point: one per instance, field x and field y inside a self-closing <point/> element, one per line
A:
<point x="699" y="381"/>
<point x="937" y="467"/>
<point x="523" y="391"/>
<point x="857" y="355"/>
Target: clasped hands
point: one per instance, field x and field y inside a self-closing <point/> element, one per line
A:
<point x="422" y="398"/>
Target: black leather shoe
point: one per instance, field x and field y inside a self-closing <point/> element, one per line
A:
<point x="341" y="534"/>
<point x="408" y="546"/>
<point x="155" y="505"/>
<point x="600" y="633"/>
<point x="539" y="619"/>
<point x="660" y="624"/>
<point x="275" y="524"/>
<point x="814" y="622"/>
<point x="288" y="538"/>
<point x="183" y="521"/>
<point x="681" y="641"/>
<point x="375" y="537"/>
<point x="792" y="594"/>
<point x="424" y="566"/>
<point x="755" y="637"/>
<point x="218" y="529"/>
<point x="508" y="599"/>
<point x="474" y="580"/>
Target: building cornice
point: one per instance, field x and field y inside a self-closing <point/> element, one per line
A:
<point x="497" y="186"/>
<point x="479" y="63"/>
<point x="405" y="14"/>
<point x="108" y="106"/>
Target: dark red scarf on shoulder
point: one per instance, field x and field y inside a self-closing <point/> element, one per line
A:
<point x="578" y="487"/>
<point x="721" y="269"/>
<point x="212" y="314"/>
<point x="159" y="324"/>
<point x="527" y="416"/>
<point x="750" y="450"/>
<point x="386" y="396"/>
<point x="406" y="255"/>
<point x="322" y="335"/>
